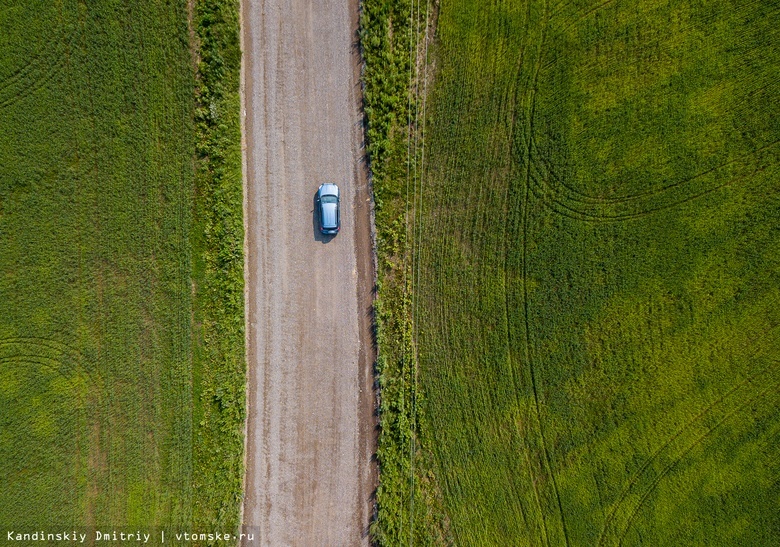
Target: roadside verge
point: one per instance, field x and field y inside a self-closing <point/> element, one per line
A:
<point x="218" y="237"/>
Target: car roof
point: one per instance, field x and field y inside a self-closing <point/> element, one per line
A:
<point x="329" y="215"/>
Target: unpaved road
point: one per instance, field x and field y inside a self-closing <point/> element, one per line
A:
<point x="310" y="431"/>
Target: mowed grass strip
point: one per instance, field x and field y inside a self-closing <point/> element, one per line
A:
<point x="599" y="252"/>
<point x="99" y="251"/>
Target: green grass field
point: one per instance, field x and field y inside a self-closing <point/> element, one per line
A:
<point x="597" y="232"/>
<point x="102" y="272"/>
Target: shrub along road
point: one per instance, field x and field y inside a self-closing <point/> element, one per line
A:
<point x="310" y="427"/>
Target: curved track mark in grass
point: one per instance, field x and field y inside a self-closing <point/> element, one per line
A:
<point x="52" y="350"/>
<point x="50" y="364"/>
<point x="36" y="358"/>
<point x="668" y="447"/>
<point x="531" y="109"/>
<point x="38" y="71"/>
<point x="516" y="88"/>
<point x="572" y="194"/>
<point x="772" y="388"/>
<point x="31" y="88"/>
<point x="604" y="211"/>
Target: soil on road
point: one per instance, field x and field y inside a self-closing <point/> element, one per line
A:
<point x="310" y="430"/>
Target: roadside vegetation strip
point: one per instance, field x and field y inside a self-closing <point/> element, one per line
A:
<point x="600" y="272"/>
<point x="219" y="360"/>
<point x="113" y="254"/>
<point x="393" y="41"/>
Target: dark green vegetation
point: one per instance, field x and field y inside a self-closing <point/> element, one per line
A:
<point x="119" y="312"/>
<point x="599" y="246"/>
<point x="220" y="368"/>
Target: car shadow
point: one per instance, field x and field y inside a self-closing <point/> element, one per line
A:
<point x="315" y="224"/>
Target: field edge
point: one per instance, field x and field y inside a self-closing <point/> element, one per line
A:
<point x="218" y="286"/>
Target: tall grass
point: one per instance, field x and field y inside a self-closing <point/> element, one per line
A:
<point x="220" y="366"/>
<point x="393" y="41"/>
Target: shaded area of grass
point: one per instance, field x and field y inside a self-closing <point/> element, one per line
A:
<point x="113" y="252"/>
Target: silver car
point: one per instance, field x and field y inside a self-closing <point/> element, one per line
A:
<point x="328" y="208"/>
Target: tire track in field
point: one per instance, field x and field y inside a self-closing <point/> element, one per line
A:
<point x="529" y="150"/>
<point x="40" y="69"/>
<point x="572" y="194"/>
<point x="513" y="99"/>
<point x="51" y="350"/>
<point x="682" y="436"/>
<point x="24" y="86"/>
<point x="772" y="388"/>
<point x="560" y="198"/>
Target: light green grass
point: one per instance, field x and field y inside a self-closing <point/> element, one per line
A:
<point x="598" y="248"/>
<point x="98" y="281"/>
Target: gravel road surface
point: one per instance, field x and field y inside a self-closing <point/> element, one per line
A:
<point x="310" y="431"/>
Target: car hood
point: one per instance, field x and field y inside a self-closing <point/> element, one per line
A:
<point x="329" y="189"/>
<point x="329" y="215"/>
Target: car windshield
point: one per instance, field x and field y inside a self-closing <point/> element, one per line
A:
<point x="329" y="199"/>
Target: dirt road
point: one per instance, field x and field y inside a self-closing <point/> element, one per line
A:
<point x="310" y="427"/>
